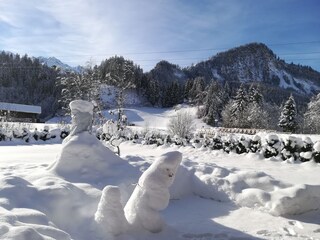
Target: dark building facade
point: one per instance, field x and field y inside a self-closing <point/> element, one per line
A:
<point x="13" y="112"/>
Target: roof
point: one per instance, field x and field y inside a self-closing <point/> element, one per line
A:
<point x="20" y="107"/>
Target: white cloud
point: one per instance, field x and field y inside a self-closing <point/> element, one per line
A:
<point x="76" y="30"/>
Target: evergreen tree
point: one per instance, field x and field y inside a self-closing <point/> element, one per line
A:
<point x="234" y="113"/>
<point x="240" y="101"/>
<point x="153" y="92"/>
<point x="213" y="103"/>
<point x="187" y="88"/>
<point x="197" y="90"/>
<point x="312" y="115"/>
<point x="85" y="86"/>
<point x="254" y="95"/>
<point x="256" y="113"/>
<point x="288" y="116"/>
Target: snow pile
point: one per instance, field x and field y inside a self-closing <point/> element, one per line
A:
<point x="292" y="200"/>
<point x="32" y="205"/>
<point x="28" y="224"/>
<point x="246" y="188"/>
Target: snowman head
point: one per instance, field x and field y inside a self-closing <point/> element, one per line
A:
<point x="81" y="113"/>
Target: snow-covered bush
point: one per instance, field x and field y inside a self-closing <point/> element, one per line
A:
<point x="273" y="146"/>
<point x="242" y="145"/>
<point x="2" y="135"/>
<point x="64" y="132"/>
<point x="306" y="150"/>
<point x="229" y="144"/>
<point x="290" y="148"/>
<point x="217" y="142"/>
<point x="316" y="152"/>
<point x="45" y="134"/>
<point x="255" y="144"/>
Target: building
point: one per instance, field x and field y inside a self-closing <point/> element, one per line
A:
<point x="13" y="112"/>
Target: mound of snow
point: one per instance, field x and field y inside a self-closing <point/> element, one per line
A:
<point x="85" y="159"/>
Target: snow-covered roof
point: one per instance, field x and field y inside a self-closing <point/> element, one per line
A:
<point x="20" y="107"/>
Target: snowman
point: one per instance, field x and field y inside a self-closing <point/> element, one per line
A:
<point x="151" y="194"/>
<point x="110" y="215"/>
<point x="83" y="158"/>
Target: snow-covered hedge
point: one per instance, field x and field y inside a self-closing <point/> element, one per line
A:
<point x="288" y="148"/>
<point x="24" y="133"/>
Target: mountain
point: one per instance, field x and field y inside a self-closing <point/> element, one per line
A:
<point x="166" y="73"/>
<point x="52" y="61"/>
<point x="255" y="62"/>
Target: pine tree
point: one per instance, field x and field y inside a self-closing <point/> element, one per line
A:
<point x="312" y="115"/>
<point x="213" y="103"/>
<point x="187" y="88"/>
<point x="196" y="92"/>
<point x="240" y="101"/>
<point x="153" y="92"/>
<point x="288" y="116"/>
<point x="234" y="112"/>
<point x="256" y="114"/>
<point x="254" y="95"/>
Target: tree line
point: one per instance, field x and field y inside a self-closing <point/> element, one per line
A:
<point x="220" y="103"/>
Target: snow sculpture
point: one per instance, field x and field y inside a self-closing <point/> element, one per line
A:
<point x="83" y="157"/>
<point x="151" y="195"/>
<point x="82" y="115"/>
<point x="110" y="215"/>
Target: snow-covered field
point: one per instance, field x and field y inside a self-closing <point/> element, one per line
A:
<point x="215" y="195"/>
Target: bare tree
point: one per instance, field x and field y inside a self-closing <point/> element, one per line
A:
<point x="181" y="124"/>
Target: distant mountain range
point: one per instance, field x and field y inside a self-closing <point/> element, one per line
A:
<point x="53" y="61"/>
<point x="251" y="63"/>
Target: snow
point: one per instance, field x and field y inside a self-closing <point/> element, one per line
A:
<point x="80" y="190"/>
<point x="20" y="107"/>
<point x="151" y="194"/>
<point x="156" y="118"/>
<point x="212" y="196"/>
<point x="110" y="215"/>
<point x="81" y="106"/>
<point x="306" y="85"/>
<point x="52" y="61"/>
<point x="316" y="146"/>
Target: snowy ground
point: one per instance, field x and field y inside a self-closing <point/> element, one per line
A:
<point x="215" y="195"/>
<point x="188" y="216"/>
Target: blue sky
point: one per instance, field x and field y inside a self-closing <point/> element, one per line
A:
<point x="146" y="31"/>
